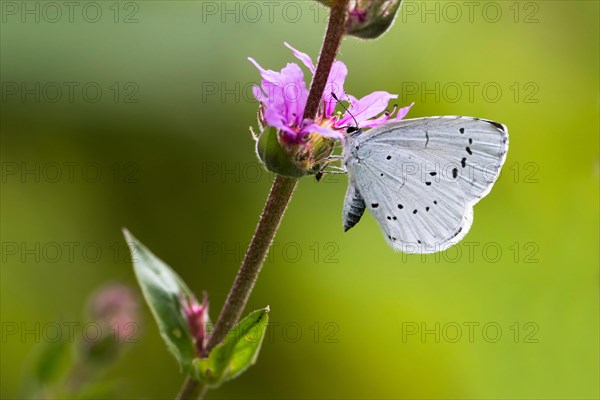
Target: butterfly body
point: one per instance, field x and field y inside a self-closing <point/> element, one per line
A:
<point x="421" y="177"/>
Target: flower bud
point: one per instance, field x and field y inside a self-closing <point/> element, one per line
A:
<point x="116" y="306"/>
<point x="198" y="319"/>
<point x="293" y="158"/>
<point x="369" y="19"/>
<point x="114" y="310"/>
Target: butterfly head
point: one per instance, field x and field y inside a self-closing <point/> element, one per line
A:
<point x="353" y="131"/>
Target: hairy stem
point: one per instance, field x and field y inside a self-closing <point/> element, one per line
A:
<point x="279" y="197"/>
<point x="192" y="389"/>
<point x="329" y="50"/>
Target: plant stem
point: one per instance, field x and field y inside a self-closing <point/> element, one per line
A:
<point x="279" y="197"/>
<point x="331" y="44"/>
<point x="192" y="389"/>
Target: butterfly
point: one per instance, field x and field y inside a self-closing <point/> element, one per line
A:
<point x="420" y="178"/>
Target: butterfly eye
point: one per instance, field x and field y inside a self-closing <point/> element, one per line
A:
<point x="352" y="129"/>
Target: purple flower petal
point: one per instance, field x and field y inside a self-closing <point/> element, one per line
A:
<point x="267" y="74"/>
<point x="305" y="58"/>
<point x="258" y="93"/>
<point x="371" y="105"/>
<point x="273" y="117"/>
<point x="283" y="93"/>
<point x="293" y="92"/>
<point x="373" y="123"/>
<point x="323" y="131"/>
<point x="335" y="84"/>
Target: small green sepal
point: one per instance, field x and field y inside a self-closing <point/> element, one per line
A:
<point x="236" y="353"/>
<point x="270" y="151"/>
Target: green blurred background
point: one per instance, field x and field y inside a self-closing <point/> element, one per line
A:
<point x="169" y="136"/>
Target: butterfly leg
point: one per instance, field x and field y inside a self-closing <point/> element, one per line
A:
<point x="332" y="169"/>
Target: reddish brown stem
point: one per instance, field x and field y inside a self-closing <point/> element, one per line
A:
<point x="277" y="202"/>
<point x="331" y="44"/>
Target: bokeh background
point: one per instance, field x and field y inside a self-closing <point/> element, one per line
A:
<point x="163" y="148"/>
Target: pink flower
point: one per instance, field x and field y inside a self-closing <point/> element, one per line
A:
<point x="357" y="16"/>
<point x="197" y="318"/>
<point x="283" y="98"/>
<point x="116" y="308"/>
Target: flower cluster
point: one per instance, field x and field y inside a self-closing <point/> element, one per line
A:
<point x="283" y="97"/>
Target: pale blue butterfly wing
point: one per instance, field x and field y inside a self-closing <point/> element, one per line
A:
<point x="421" y="177"/>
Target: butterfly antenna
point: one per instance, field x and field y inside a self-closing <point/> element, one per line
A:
<point x="344" y="107"/>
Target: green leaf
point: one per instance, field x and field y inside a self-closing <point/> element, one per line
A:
<point x="164" y="290"/>
<point x="236" y="353"/>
